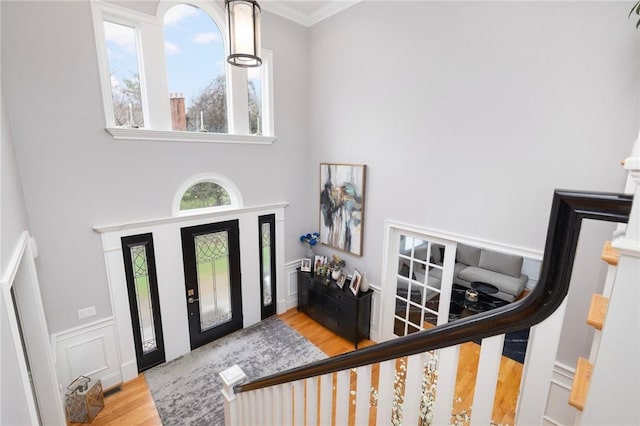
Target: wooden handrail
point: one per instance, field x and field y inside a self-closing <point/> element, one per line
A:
<point x="567" y="211"/>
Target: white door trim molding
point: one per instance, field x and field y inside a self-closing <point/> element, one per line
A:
<point x="21" y="276"/>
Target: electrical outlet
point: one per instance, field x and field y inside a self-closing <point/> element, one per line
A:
<point x="86" y="312"/>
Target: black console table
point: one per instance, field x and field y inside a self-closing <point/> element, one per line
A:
<point x="335" y="308"/>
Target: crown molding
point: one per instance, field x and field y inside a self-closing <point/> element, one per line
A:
<point x="304" y="19"/>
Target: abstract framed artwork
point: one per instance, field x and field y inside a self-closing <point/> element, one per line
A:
<point x="342" y="189"/>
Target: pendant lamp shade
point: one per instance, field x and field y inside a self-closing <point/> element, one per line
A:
<point x="243" y="23"/>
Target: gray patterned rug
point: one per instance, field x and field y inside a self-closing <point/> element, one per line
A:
<point x="187" y="390"/>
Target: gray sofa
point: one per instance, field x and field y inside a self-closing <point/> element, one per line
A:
<point x="499" y="269"/>
<point x="474" y="264"/>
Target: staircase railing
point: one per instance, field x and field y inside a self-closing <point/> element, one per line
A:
<point x="568" y="210"/>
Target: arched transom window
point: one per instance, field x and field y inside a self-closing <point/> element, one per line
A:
<point x="204" y="193"/>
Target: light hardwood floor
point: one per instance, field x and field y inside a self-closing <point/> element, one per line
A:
<point x="133" y="405"/>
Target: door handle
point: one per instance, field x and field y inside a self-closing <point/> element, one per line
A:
<point x="192" y="300"/>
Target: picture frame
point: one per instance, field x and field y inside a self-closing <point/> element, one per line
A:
<point x="317" y="263"/>
<point x="341" y="279"/>
<point x="354" y="286"/>
<point x="342" y="201"/>
<point x="305" y="265"/>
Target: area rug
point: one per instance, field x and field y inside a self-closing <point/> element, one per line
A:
<point x="187" y="390"/>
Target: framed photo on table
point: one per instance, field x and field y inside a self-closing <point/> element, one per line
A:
<point x="341" y="279"/>
<point x="305" y="265"/>
<point x="354" y="286"/>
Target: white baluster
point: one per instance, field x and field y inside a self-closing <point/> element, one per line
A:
<point x="538" y="367"/>
<point x="363" y="395"/>
<point x="342" y="397"/>
<point x="312" y="401"/>
<point x="298" y="402"/>
<point x="287" y="404"/>
<point x="413" y="389"/>
<point x="278" y="400"/>
<point x="446" y="387"/>
<point x="326" y="399"/>
<point x="385" y="391"/>
<point x="486" y="379"/>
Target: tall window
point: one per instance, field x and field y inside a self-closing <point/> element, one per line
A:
<point x="168" y="73"/>
<point x="195" y="54"/>
<point x="122" y="52"/>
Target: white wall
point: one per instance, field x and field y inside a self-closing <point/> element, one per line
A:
<point x="470" y="114"/>
<point x="76" y="176"/>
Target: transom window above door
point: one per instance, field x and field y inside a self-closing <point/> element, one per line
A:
<point x="165" y="77"/>
<point x="206" y="193"/>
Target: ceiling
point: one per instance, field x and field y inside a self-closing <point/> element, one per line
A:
<point x="306" y="12"/>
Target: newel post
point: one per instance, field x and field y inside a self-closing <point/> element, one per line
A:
<point x="231" y="377"/>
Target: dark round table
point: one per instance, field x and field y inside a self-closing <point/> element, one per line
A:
<point x="484" y="288"/>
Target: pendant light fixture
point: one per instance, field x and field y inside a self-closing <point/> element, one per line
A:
<point x="243" y="23"/>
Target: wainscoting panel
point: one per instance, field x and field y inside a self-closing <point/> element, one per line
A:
<point x="558" y="411"/>
<point x="290" y="271"/>
<point x="89" y="350"/>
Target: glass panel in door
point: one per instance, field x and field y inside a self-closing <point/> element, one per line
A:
<point x="214" y="286"/>
<point x="144" y="301"/>
<point x="268" y="264"/>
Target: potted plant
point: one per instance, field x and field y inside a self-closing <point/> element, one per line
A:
<point x="310" y="240"/>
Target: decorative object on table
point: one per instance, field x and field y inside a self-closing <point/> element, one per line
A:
<point x="310" y="240"/>
<point x="83" y="400"/>
<point x="335" y="273"/>
<point x="342" y="278"/>
<point x="364" y="283"/>
<point x="342" y="188"/>
<point x="337" y="263"/>
<point x="318" y="263"/>
<point x="354" y="286"/>
<point x="305" y="265"/>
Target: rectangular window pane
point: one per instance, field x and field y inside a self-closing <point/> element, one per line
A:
<point x="122" y="55"/>
<point x="196" y="74"/>
<point x="143" y="297"/>
<point x="214" y="281"/>
<point x="255" y="100"/>
<point x="265" y="231"/>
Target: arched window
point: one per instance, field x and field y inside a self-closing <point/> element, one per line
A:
<point x="204" y="193"/>
<point x="194" y="48"/>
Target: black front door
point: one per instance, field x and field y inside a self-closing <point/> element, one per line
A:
<point x="211" y="257"/>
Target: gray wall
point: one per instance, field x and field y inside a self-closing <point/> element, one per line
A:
<point x="469" y="115"/>
<point x="13" y="221"/>
<point x="76" y="176"/>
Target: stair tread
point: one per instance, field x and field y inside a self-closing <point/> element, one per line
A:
<point x="610" y="254"/>
<point x="597" y="311"/>
<point x="581" y="382"/>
